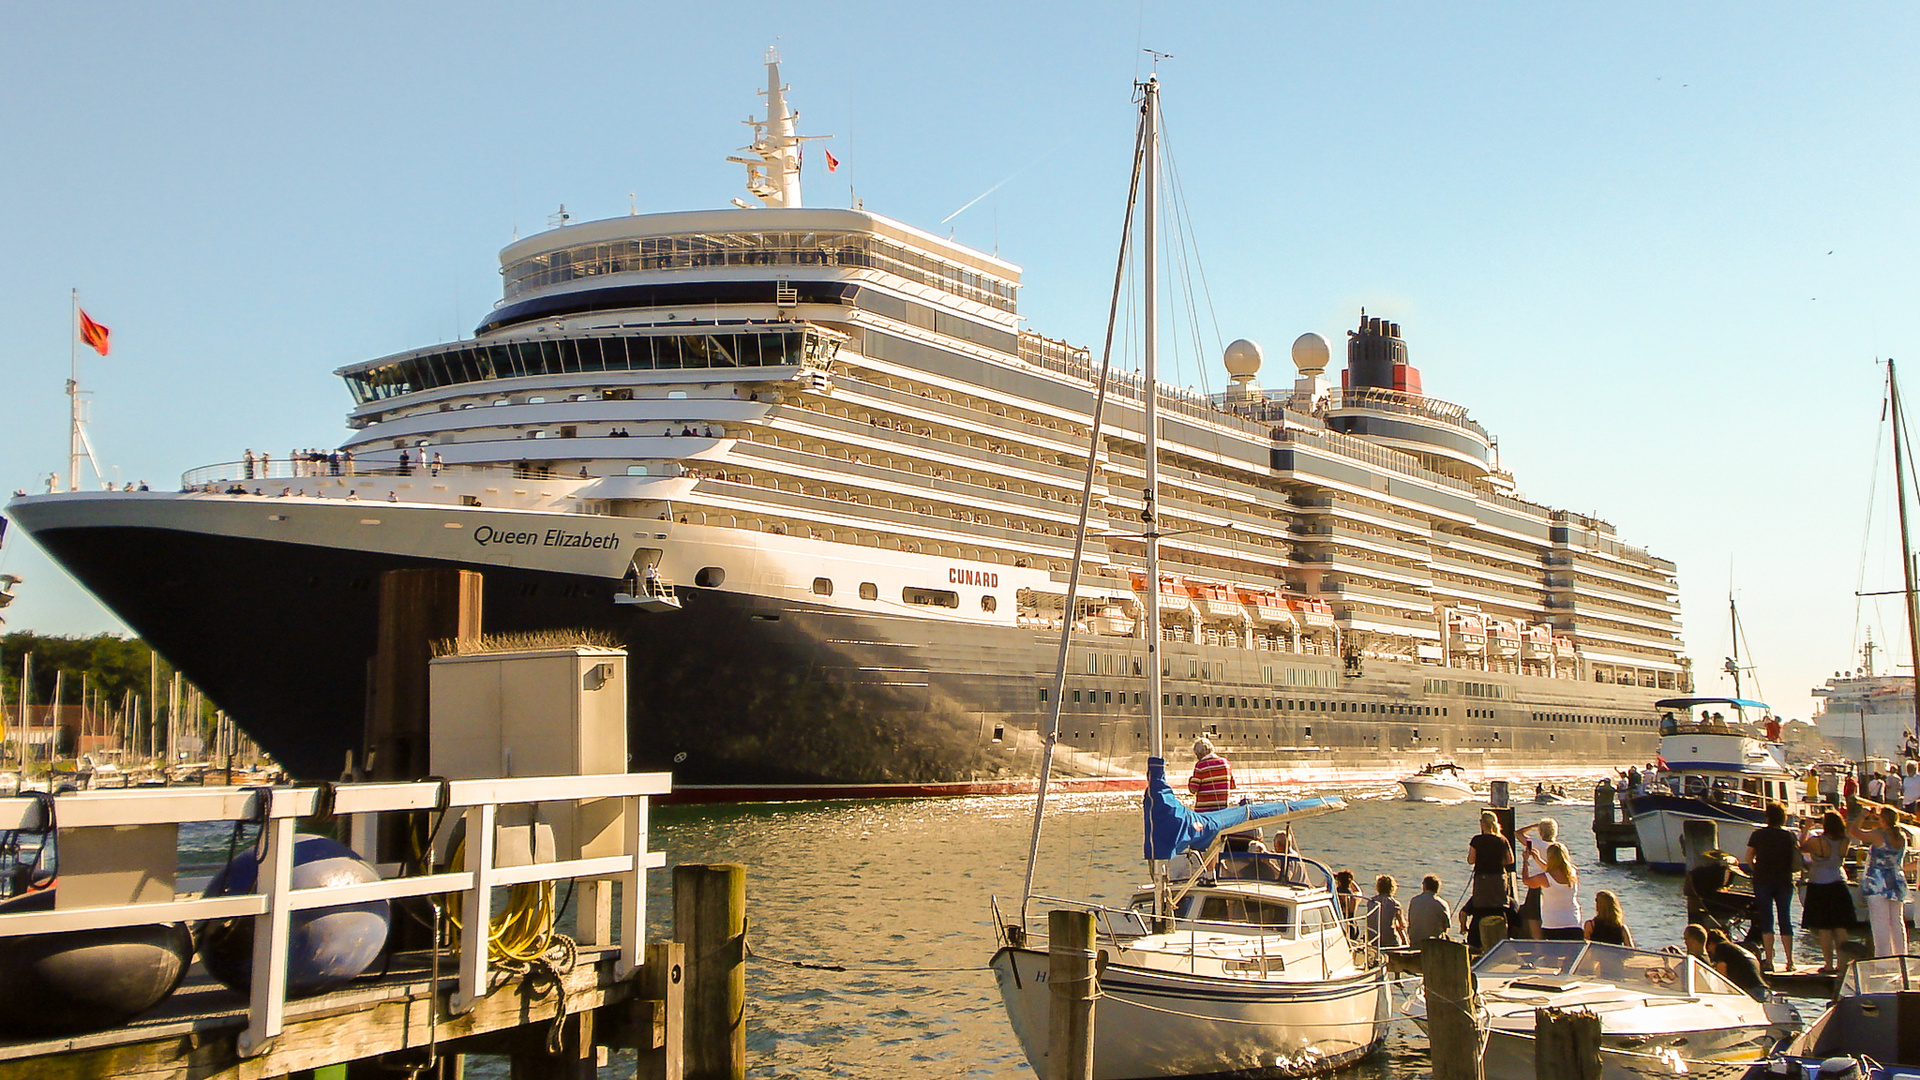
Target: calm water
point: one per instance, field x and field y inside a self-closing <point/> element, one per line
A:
<point x="898" y="892"/>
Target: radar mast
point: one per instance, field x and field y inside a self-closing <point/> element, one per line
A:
<point x="773" y="172"/>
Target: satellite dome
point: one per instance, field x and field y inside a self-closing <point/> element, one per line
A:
<point x="1311" y="353"/>
<point x="1243" y="359"/>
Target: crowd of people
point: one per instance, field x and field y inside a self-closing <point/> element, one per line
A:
<point x="1535" y="860"/>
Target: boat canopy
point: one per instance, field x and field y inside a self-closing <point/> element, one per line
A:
<point x="1690" y="702"/>
<point x="1173" y="827"/>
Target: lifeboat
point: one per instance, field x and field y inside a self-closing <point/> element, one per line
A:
<point x="1219" y="602"/>
<point x="1563" y="647"/>
<point x="1505" y="638"/>
<point x="1313" y="614"/>
<point x="1110" y="619"/>
<point x="1268" y="609"/>
<point x="1175" y="598"/>
<point x="1467" y="633"/>
<point x="1536" y="643"/>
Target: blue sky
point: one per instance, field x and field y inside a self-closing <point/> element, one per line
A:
<point x="1656" y="249"/>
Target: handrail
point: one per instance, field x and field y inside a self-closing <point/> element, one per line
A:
<point x="275" y="902"/>
<point x="381" y="463"/>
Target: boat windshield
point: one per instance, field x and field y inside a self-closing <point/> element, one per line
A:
<point x="1577" y="961"/>
<point x="1882" y="975"/>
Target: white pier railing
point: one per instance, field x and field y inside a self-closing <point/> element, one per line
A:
<point x="275" y="901"/>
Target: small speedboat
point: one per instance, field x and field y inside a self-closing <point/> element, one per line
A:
<point x="1661" y="1014"/>
<point x="1870" y="1032"/>
<point x="1442" y="781"/>
<point x="1546" y="796"/>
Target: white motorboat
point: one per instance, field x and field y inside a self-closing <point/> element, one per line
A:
<point x="1661" y="1014"/>
<point x="1711" y="771"/>
<point x="1442" y="781"/>
<point x="1873" y="1023"/>
<point x="1237" y="965"/>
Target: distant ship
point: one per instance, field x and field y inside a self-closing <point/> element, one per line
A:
<point x="809" y="466"/>
<point x="1860" y="705"/>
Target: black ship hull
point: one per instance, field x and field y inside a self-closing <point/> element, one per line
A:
<point x="752" y="696"/>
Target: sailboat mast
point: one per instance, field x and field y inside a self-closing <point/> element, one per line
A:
<point x="1906" y="543"/>
<point x="1150" y="354"/>
<point x="1733" y="624"/>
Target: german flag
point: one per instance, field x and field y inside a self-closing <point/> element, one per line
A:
<point x="94" y="334"/>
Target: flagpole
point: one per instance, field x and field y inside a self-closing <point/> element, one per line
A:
<point x="73" y="396"/>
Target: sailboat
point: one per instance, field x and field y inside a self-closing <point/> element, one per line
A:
<point x="1235" y="960"/>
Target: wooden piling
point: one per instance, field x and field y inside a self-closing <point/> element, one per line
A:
<point x="709" y="918"/>
<point x="1493" y="930"/>
<point x="417" y="608"/>
<point x="1566" y="1044"/>
<point x="1453" y="1021"/>
<point x="663" y="997"/>
<point x="1070" y="978"/>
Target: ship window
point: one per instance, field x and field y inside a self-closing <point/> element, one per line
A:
<point x="946" y="598"/>
<point x="999" y="733"/>
<point x="1043" y="695"/>
<point x="870" y="591"/>
<point x="1309" y="731"/>
<point x="1076" y="697"/>
<point x="989" y="603"/>
<point x="710" y="577"/>
<point x="822" y="586"/>
<point x="637" y="470"/>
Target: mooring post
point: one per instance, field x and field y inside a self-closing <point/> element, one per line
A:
<point x="709" y="918"/>
<point x="660" y="1012"/>
<point x="533" y="1058"/>
<point x="1566" y="1044"/>
<point x="1070" y="976"/>
<point x="1493" y="931"/>
<point x="1453" y="1014"/>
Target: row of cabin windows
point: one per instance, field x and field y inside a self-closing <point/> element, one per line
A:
<point x="1218" y="701"/>
<point x="946" y="598"/>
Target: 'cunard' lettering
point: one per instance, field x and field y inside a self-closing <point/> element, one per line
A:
<point x="985" y="579"/>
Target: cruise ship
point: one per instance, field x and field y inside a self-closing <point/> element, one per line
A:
<point x="810" y="466"/>
<point x="1863" y="708"/>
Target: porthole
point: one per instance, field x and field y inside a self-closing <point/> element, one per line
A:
<point x="822" y="586"/>
<point x="989" y="603"/>
<point x="710" y="577"/>
<point x="869" y="591"/>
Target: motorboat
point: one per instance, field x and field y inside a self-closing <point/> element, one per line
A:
<point x="1711" y="770"/>
<point x="1872" y="1027"/>
<point x="1661" y="1014"/>
<point x="1238" y="964"/>
<point x="1442" y="781"/>
<point x="1548" y="796"/>
<point x="1225" y="965"/>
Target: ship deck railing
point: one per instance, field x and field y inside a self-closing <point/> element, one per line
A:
<point x="273" y="905"/>
<point x="223" y="475"/>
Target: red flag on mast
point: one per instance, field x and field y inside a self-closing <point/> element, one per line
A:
<point x="93" y="334"/>
<point x="833" y="163"/>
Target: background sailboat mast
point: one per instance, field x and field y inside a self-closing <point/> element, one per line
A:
<point x="1149" y="355"/>
<point x="1906" y="544"/>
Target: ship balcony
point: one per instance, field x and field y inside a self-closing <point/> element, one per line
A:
<point x="1513" y="578"/>
<point x="1561" y="584"/>
<point x="1320" y="506"/>
<point x="1414" y="424"/>
<point x="1359" y="538"/>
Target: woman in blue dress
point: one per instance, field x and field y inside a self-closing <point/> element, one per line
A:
<point x="1884" y="880"/>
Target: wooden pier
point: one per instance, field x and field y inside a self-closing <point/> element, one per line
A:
<point x="554" y="1019"/>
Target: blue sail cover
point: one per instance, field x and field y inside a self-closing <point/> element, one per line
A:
<point x="1173" y="828"/>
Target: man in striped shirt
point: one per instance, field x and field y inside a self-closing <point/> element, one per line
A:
<point x="1212" y="779"/>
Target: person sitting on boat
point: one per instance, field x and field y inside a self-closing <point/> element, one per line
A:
<point x="1427" y="914"/>
<point x="1491" y="894"/>
<point x="1668" y="725"/>
<point x="1212" y="779"/>
<point x="1608" y="926"/>
<point x="1539" y="791"/>
<point x="1559" y="885"/>
<point x="1348" y="890"/>
<point x="1741" y="967"/>
<point x="1386" y="921"/>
